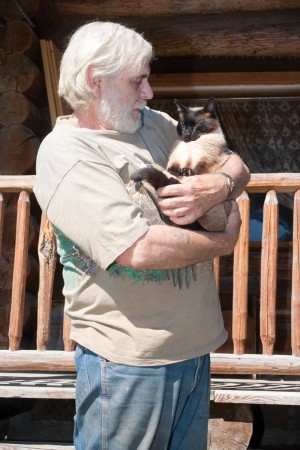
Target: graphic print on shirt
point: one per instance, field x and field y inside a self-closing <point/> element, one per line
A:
<point x="145" y="196"/>
<point x="76" y="263"/>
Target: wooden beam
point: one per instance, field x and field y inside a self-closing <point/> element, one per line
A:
<point x="42" y="14"/>
<point x="223" y="363"/>
<point x="225" y="84"/>
<point x="127" y="8"/>
<point x="19" y="273"/>
<point x="257" y="397"/>
<point x="268" y="282"/>
<point x="240" y="279"/>
<point x="259" y="183"/>
<point x="280" y="182"/>
<point x="266" y="34"/>
<point x="295" y="297"/>
<point x="21" y="445"/>
<point x="33" y="360"/>
<point x="16" y="183"/>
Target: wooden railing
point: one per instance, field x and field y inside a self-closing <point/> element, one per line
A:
<point x="237" y="362"/>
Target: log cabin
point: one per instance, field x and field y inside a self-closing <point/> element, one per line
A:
<point x="245" y="54"/>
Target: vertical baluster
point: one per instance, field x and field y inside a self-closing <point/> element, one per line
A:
<point x="269" y="273"/>
<point x="240" y="279"/>
<point x="217" y="271"/>
<point x="1" y="221"/>
<point x="47" y="258"/>
<point x="295" y="301"/>
<point x="69" y="345"/>
<point x="19" y="272"/>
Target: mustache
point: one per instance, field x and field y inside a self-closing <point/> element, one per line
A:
<point x="140" y="104"/>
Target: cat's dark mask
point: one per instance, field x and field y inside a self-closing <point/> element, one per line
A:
<point x="194" y="122"/>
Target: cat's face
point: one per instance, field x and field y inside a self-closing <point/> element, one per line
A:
<point x="194" y="122"/>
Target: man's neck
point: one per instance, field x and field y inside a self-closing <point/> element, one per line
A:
<point x="88" y="118"/>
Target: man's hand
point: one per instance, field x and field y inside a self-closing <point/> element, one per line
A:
<point x="184" y="203"/>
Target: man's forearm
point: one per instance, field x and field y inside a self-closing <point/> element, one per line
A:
<point x="185" y="202"/>
<point x="167" y="247"/>
<point x="239" y="172"/>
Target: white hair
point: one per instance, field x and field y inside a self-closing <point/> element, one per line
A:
<point x="108" y="47"/>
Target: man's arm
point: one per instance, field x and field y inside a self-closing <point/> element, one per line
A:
<point x="186" y="202"/>
<point x="168" y="247"/>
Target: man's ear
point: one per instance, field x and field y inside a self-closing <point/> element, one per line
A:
<point x="94" y="83"/>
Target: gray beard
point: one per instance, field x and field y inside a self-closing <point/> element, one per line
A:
<point x="118" y="115"/>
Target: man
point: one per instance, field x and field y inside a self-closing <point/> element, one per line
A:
<point x="143" y="347"/>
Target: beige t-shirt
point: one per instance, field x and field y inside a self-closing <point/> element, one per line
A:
<point x="129" y="317"/>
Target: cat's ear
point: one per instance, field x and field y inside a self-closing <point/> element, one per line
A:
<point x="181" y="109"/>
<point x="210" y="106"/>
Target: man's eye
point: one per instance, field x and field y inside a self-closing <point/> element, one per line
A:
<point x="136" y="82"/>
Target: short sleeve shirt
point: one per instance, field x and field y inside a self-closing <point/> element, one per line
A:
<point x="128" y="317"/>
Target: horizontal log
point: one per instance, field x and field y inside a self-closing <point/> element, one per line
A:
<point x="19" y="73"/>
<point x="42" y="14"/>
<point x="9" y="445"/>
<point x="37" y="392"/>
<point x="259" y="183"/>
<point x="15" y="108"/>
<point x="32" y="360"/>
<point x="257" y="397"/>
<point x="17" y="36"/>
<point x="18" y="150"/>
<point x="223" y="363"/>
<point x="267" y="34"/>
<point x="257" y="34"/>
<point x="16" y="183"/>
<point x="115" y="8"/>
<point x="279" y="182"/>
<point x="204" y="84"/>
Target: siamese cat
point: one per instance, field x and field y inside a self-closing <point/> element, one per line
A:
<point x="202" y="149"/>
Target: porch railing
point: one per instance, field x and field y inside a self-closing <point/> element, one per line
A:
<point x="236" y="362"/>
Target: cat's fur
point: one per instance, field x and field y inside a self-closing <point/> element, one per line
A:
<point x="202" y="149"/>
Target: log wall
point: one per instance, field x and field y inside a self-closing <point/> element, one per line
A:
<point x="24" y="121"/>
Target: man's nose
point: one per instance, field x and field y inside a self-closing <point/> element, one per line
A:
<point x="146" y="92"/>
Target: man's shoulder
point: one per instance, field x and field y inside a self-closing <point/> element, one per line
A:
<point x="158" y="116"/>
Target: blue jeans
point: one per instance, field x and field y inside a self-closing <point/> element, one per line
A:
<point x="120" y="407"/>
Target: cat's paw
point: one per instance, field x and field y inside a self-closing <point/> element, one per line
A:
<point x="181" y="171"/>
<point x="152" y="175"/>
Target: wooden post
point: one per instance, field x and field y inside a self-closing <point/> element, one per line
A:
<point x="240" y="279"/>
<point x="69" y="345"/>
<point x="19" y="273"/>
<point x="217" y="271"/>
<point x="1" y="221"/>
<point x="47" y="258"/>
<point x="295" y="300"/>
<point x="268" y="273"/>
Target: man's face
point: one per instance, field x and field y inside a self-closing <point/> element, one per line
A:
<point x="122" y="98"/>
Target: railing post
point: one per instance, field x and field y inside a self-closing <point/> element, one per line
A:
<point x="240" y="279"/>
<point x="69" y="344"/>
<point x="19" y="272"/>
<point x="268" y="283"/>
<point x="47" y="258"/>
<point x="217" y="271"/>
<point x="295" y="300"/>
<point x="1" y="221"/>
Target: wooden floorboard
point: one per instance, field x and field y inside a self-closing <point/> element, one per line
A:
<point x="38" y="446"/>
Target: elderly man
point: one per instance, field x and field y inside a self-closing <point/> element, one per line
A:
<point x="143" y="343"/>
